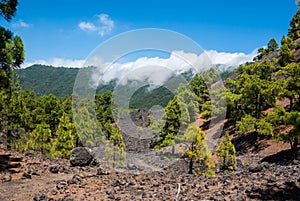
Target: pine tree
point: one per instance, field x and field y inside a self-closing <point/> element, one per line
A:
<point x="226" y="153"/>
<point x="263" y="52"/>
<point x="195" y="148"/>
<point x="171" y="127"/>
<point x="63" y="144"/>
<point x="253" y="91"/>
<point x="294" y="30"/>
<point x="188" y="103"/>
<point x="290" y="84"/>
<point x="115" y="153"/>
<point x="86" y="124"/>
<point x="285" y="55"/>
<point x="40" y="139"/>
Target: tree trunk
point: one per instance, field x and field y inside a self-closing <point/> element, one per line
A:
<point x="294" y="148"/>
<point x="191" y="166"/>
<point x="8" y="139"/>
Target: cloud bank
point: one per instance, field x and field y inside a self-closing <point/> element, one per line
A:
<point x="103" y="25"/>
<point x="157" y="70"/>
<point x="153" y="69"/>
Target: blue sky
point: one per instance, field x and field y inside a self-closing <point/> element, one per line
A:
<point x="70" y="30"/>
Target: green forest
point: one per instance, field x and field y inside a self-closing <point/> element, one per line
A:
<point x="48" y="121"/>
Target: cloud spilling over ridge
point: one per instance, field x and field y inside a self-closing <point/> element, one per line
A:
<point x="102" y="26"/>
<point x="158" y="70"/>
<point x="153" y="69"/>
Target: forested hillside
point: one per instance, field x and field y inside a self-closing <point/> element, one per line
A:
<point x="44" y="80"/>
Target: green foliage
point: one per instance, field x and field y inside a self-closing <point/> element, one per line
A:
<point x="114" y="150"/>
<point x="49" y="109"/>
<point x="264" y="128"/>
<point x="206" y="110"/>
<point x="103" y="103"/>
<point x="249" y="123"/>
<point x="146" y="98"/>
<point x="171" y="127"/>
<point x="251" y="92"/>
<point x="8" y="8"/>
<point x="44" y="80"/>
<point x="199" y="87"/>
<point x="226" y="153"/>
<point x="40" y="140"/>
<point x="188" y="103"/>
<point x="215" y="107"/>
<point x="285" y="55"/>
<point x="290" y="84"/>
<point x="195" y="148"/>
<point x="63" y="144"/>
<point x="263" y="52"/>
<point x="11" y="57"/>
<point x="86" y="124"/>
<point x="14" y="111"/>
<point x="11" y="47"/>
<point x="294" y="30"/>
<point x="246" y="124"/>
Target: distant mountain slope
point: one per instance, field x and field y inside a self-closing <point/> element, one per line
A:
<point x="47" y="79"/>
<point x="60" y="81"/>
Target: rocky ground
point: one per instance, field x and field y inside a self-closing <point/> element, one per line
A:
<point x="265" y="172"/>
<point x="262" y="174"/>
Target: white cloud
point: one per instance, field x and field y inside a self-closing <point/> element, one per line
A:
<point x="230" y="59"/>
<point x="87" y="26"/>
<point x="103" y="25"/>
<point x="56" y="62"/>
<point x="107" y="24"/>
<point x="20" y="24"/>
<point x="154" y="69"/>
<point x="157" y="70"/>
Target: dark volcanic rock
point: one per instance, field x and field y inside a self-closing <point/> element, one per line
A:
<point x="54" y="169"/>
<point x="40" y="197"/>
<point x="257" y="168"/>
<point x="26" y="175"/>
<point x="80" y="156"/>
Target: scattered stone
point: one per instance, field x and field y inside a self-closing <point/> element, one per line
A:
<point x="77" y="178"/>
<point x="265" y="165"/>
<point x="131" y="183"/>
<point x="62" y="185"/>
<point x="296" y="162"/>
<point x="132" y="167"/>
<point x="109" y="192"/>
<point x="117" y="183"/>
<point x="6" y="178"/>
<point x="272" y="179"/>
<point x="257" y="168"/>
<point x="80" y="156"/>
<point x="54" y="169"/>
<point x="40" y="197"/>
<point x="35" y="172"/>
<point x="26" y="176"/>
<point x="30" y="154"/>
<point x="71" y="181"/>
<point x="102" y="171"/>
